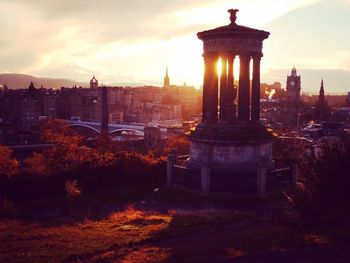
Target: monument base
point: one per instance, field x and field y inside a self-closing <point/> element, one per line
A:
<point x="229" y="159"/>
<point x="236" y="147"/>
<point x="235" y="158"/>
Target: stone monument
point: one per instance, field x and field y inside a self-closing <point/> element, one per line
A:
<point x="230" y="137"/>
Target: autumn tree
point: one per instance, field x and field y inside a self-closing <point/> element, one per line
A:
<point x="57" y="131"/>
<point x="105" y="143"/>
<point x="68" y="152"/>
<point x="179" y="144"/>
<point x="8" y="164"/>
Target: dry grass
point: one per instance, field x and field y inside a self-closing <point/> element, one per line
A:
<point x="35" y="242"/>
<point x="94" y="240"/>
<point x="142" y="235"/>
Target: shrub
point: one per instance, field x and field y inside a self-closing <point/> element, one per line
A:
<point x="287" y="149"/>
<point x="180" y="144"/>
<point x="57" y="131"/>
<point x="7" y="209"/>
<point x="72" y="189"/>
<point x="323" y="197"/>
<point x="8" y="164"/>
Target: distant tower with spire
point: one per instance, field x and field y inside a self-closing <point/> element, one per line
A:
<point x="93" y="83"/>
<point x="166" y="79"/>
<point x="31" y="86"/>
<point x="321" y="95"/>
<point x="321" y="105"/>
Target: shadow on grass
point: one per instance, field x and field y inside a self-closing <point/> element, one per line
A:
<point x="143" y="225"/>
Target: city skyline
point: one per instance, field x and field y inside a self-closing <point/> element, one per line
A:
<point x="134" y="42"/>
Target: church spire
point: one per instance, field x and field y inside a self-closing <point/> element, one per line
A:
<point x="31" y="86"/>
<point x="322" y="89"/>
<point x="166" y="79"/>
<point x="93" y="83"/>
<point x="321" y="107"/>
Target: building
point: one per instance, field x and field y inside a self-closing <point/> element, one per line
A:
<point x="22" y="112"/>
<point x="292" y="109"/>
<point x="321" y="107"/>
<point x="293" y="88"/>
<point x="79" y="102"/>
<point x="166" y="79"/>
<point x="347" y="100"/>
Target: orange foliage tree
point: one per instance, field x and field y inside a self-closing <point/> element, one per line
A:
<point x="181" y="144"/>
<point x="57" y="131"/>
<point x="8" y="164"/>
<point x="67" y="154"/>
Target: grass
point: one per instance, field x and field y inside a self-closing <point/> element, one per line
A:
<point x="189" y="221"/>
<point x="141" y="230"/>
<point x="65" y="240"/>
<point x="38" y="242"/>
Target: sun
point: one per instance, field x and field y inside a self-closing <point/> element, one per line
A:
<point x="235" y="68"/>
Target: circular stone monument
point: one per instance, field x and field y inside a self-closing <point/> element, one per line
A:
<point x="230" y="137"/>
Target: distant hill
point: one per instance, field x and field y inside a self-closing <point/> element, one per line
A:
<point x="20" y="81"/>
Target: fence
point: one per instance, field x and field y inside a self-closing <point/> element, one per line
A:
<point x="209" y="180"/>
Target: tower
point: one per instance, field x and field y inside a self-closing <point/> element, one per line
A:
<point x="321" y="105"/>
<point x="229" y="146"/>
<point x="321" y="98"/>
<point x="31" y="86"/>
<point x="293" y="88"/>
<point x="93" y="83"/>
<point x="166" y="79"/>
<point x="292" y="115"/>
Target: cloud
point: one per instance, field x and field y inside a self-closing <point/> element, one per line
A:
<point x="134" y="39"/>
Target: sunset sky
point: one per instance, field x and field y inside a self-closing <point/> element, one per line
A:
<point x="134" y="40"/>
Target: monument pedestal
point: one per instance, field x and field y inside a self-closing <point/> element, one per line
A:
<point x="240" y="147"/>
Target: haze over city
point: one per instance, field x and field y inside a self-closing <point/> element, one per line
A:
<point x="133" y="41"/>
<point x="174" y="131"/>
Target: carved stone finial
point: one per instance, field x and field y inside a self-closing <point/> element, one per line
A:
<point x="233" y="15"/>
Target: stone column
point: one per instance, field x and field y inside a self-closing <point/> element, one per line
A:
<point x="255" y="109"/>
<point x="231" y="91"/>
<point x="104" y="119"/>
<point x="244" y="88"/>
<point x="223" y="91"/>
<point x="210" y="88"/>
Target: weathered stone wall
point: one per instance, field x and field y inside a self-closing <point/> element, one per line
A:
<point x="238" y="157"/>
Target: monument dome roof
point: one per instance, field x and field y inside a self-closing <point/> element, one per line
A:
<point x="233" y="30"/>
